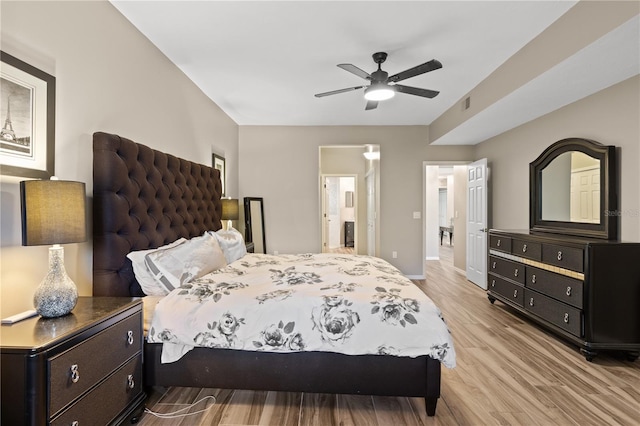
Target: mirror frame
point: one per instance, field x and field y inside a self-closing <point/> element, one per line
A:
<point x="248" y="229"/>
<point x="608" y="226"/>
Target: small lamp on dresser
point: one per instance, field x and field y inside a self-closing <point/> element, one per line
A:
<point x="53" y="212"/>
<point x="230" y="211"/>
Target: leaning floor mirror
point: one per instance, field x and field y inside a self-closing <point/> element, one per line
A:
<point x="254" y="224"/>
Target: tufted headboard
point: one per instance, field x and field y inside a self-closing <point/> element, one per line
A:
<point x="142" y="199"/>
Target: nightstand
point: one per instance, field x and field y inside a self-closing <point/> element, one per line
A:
<point x="81" y="368"/>
<point x="250" y="247"/>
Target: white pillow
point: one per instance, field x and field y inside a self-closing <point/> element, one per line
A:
<point x="146" y="280"/>
<point x="180" y="264"/>
<point x="232" y="244"/>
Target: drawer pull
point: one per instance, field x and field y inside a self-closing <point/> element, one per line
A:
<point x="559" y="255"/>
<point x="533" y="279"/>
<point x="130" y="382"/>
<point x="524" y="248"/>
<point x="75" y="373"/>
<point x="531" y="302"/>
<point x="75" y="423"/>
<point x="498" y="243"/>
<point x="515" y="293"/>
<point x="493" y="283"/>
<point x="130" y="337"/>
<point x="515" y="272"/>
<point x="566" y="318"/>
<point x="493" y="265"/>
<point x="569" y="291"/>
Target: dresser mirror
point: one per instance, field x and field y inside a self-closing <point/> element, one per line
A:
<point x="573" y="187"/>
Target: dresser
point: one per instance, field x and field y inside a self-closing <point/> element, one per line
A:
<point x="586" y="291"/>
<point x="84" y="368"/>
<point x="349" y="233"/>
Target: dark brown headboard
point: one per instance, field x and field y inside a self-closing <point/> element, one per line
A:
<point x="143" y="198"/>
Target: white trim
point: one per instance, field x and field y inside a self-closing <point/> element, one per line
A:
<point x="416" y="277"/>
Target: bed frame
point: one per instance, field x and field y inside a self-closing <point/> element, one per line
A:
<point x="142" y="199"/>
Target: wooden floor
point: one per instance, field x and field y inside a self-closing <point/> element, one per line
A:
<point x="509" y="372"/>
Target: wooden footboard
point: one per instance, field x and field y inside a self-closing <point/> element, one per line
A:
<point x="316" y="372"/>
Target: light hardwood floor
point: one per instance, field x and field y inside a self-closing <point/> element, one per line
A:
<point x="509" y="372"/>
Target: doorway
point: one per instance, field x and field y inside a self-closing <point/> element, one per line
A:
<point x="339" y="214"/>
<point x="361" y="163"/>
<point x="445" y="213"/>
<point x="468" y="220"/>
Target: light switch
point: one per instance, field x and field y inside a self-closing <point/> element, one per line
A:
<point x="416" y="215"/>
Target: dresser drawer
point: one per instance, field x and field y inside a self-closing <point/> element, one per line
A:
<point x="565" y="257"/>
<point x="105" y="402"/>
<point x="497" y="242"/>
<point x="506" y="289"/>
<point x="559" y="314"/>
<point x="530" y="250"/>
<point x="508" y="269"/>
<point x="566" y="289"/>
<point x="81" y="367"/>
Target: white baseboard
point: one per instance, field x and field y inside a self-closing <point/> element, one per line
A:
<point x="433" y="258"/>
<point x="416" y="277"/>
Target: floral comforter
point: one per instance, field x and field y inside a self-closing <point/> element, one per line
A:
<point x="311" y="302"/>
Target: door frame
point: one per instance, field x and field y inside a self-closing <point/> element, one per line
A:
<point x="323" y="207"/>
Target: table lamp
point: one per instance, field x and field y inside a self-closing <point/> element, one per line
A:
<point x="53" y="212"/>
<point x="230" y="211"/>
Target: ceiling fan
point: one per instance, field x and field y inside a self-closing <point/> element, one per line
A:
<point x="382" y="86"/>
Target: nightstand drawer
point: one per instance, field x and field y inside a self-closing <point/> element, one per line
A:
<point x="81" y="367"/>
<point x="105" y="402"/>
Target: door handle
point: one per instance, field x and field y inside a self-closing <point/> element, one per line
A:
<point x="484" y="230"/>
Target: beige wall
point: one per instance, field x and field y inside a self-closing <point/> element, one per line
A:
<point x="109" y="78"/>
<point x="280" y="164"/>
<point x="610" y="117"/>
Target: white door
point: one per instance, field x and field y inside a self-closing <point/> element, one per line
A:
<point x="477" y="223"/>
<point x="331" y="213"/>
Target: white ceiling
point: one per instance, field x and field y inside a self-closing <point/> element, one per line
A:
<point x="262" y="61"/>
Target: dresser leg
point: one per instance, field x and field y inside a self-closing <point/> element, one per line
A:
<point x="632" y="356"/>
<point x="589" y="355"/>
<point x="491" y="298"/>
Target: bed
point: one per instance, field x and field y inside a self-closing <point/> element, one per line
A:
<point x="145" y="199"/>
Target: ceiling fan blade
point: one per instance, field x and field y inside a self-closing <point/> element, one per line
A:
<point x="425" y="93"/>
<point x="335" y="92"/>
<point x="432" y="65"/>
<point x="371" y="105"/>
<point x="355" y="70"/>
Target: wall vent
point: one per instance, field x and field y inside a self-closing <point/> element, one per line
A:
<point x="467" y="103"/>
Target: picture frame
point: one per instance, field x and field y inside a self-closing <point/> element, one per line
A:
<point x="27" y="113"/>
<point x="219" y="163"/>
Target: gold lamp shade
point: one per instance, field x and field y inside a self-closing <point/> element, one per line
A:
<point x="230" y="210"/>
<point x="53" y="212"/>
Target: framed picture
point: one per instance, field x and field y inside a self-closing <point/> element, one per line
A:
<point x="218" y="163"/>
<point x="27" y="111"/>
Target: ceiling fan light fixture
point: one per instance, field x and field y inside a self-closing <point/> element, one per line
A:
<point x="379" y="92"/>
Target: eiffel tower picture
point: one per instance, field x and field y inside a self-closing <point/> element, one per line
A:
<point x="7" y="132"/>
